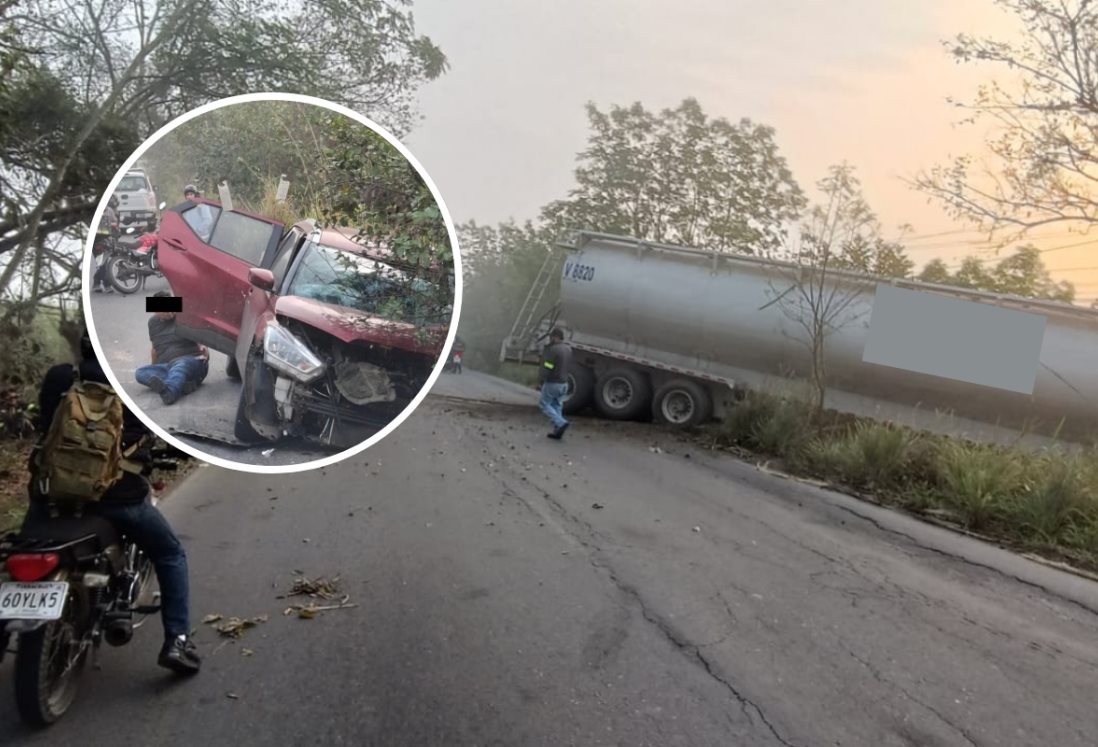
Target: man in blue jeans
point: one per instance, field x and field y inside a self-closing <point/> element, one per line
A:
<point x="178" y="365"/>
<point x="126" y="505"/>
<point x="553" y="381"/>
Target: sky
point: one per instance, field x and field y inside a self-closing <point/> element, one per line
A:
<point x="863" y="81"/>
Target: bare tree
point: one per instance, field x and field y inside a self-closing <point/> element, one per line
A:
<point x="1042" y="167"/>
<point x="817" y="289"/>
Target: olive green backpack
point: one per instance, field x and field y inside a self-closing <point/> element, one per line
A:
<point x="81" y="455"/>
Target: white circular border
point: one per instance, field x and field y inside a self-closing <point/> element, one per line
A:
<point x="281" y="468"/>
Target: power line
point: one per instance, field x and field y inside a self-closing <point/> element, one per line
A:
<point x="986" y="236"/>
<point x="1039" y="251"/>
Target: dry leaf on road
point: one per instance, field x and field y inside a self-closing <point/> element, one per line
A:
<point x="234" y="627"/>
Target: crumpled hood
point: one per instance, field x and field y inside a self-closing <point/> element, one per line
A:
<point x="351" y="325"/>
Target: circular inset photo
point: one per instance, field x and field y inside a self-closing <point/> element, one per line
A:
<point x="271" y="283"/>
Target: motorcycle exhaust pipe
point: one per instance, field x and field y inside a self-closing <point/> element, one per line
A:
<point x="118" y="632"/>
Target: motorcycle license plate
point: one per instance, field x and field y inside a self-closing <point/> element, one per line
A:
<point x="38" y="601"/>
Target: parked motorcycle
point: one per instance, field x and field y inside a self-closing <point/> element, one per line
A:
<point x="67" y="584"/>
<point x="128" y="269"/>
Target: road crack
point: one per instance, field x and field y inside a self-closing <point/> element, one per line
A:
<point x="907" y="694"/>
<point x="689" y="649"/>
<point x="955" y="556"/>
<point x="588" y="536"/>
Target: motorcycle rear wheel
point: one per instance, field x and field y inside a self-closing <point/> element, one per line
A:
<point x="123" y="276"/>
<point x="48" y="664"/>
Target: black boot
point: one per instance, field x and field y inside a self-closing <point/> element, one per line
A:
<point x="558" y="433"/>
<point x="179" y="655"/>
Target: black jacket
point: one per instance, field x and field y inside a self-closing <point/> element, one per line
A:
<point x="130" y="488"/>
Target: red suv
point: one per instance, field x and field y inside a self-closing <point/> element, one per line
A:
<point x="332" y="337"/>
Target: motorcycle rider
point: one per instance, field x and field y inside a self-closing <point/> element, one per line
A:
<point x="126" y="505"/>
<point x="108" y="226"/>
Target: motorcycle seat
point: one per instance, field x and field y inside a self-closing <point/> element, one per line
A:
<point x="65" y="530"/>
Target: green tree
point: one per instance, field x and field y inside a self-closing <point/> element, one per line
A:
<point x="86" y="82"/>
<point x="369" y="184"/>
<point x="1042" y="165"/>
<point x="973" y="274"/>
<point x="936" y="271"/>
<point x="1020" y="274"/>
<point x="1024" y="274"/>
<point x="498" y="263"/>
<point x="679" y="176"/>
<point x="250" y="146"/>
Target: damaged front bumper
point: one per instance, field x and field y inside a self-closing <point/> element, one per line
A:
<point x="336" y="398"/>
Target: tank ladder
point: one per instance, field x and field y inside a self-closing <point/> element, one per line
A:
<point x="528" y="322"/>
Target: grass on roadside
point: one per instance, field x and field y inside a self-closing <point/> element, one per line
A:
<point x="1046" y="501"/>
<point x="520" y="374"/>
<point x="13" y="482"/>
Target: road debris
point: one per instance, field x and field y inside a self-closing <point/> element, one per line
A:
<point x="597" y="506"/>
<point x="232" y="696"/>
<point x="697" y="529"/>
<point x="268" y="452"/>
<point x="318" y="588"/>
<point x="234" y="627"/>
<point x="309" y="611"/>
<point x="655" y="449"/>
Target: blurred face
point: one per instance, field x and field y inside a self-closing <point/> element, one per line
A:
<point x="189" y="195"/>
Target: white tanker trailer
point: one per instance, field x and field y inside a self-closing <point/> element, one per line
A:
<point x="673" y="333"/>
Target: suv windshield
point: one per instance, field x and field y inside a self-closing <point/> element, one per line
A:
<point x="132" y="183"/>
<point x="357" y="282"/>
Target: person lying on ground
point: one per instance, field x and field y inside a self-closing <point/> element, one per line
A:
<point x="178" y="365"/>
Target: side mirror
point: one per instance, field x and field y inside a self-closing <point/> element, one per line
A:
<point x="261" y="278"/>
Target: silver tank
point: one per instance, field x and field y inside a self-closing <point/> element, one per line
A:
<point x="717" y="314"/>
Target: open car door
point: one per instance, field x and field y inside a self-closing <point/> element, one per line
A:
<point x="205" y="253"/>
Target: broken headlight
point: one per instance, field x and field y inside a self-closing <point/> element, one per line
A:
<point x="284" y="352"/>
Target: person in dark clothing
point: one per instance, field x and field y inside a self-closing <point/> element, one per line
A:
<point x="553" y="381"/>
<point x="178" y="365"/>
<point x="108" y="227"/>
<point x="126" y="505"/>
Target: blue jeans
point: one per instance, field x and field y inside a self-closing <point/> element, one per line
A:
<point x="175" y="374"/>
<point x="550" y="403"/>
<point x="147" y="527"/>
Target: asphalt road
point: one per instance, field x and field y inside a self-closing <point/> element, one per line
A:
<point x="701" y="602"/>
<point x="204" y="419"/>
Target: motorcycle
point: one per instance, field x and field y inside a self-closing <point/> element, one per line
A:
<point x="67" y="584"/>
<point x="128" y="269"/>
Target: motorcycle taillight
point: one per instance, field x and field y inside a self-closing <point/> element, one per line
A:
<point x="32" y="566"/>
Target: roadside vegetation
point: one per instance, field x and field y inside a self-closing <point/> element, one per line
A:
<point x="13" y="482"/>
<point x="1044" y="502"/>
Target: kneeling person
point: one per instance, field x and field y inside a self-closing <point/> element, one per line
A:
<point x="178" y="365"/>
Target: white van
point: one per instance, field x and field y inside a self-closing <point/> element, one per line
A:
<point x="136" y="199"/>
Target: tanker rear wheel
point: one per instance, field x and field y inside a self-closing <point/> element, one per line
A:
<point x="581" y="388"/>
<point x="681" y="403"/>
<point x="623" y="394"/>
